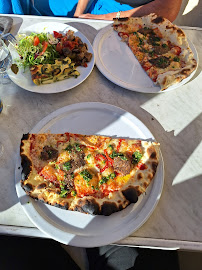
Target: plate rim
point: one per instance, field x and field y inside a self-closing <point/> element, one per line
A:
<point x="82" y="240"/>
<point x="146" y="90"/>
<point x="38" y="88"/>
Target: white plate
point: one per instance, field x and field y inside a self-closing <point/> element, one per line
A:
<point x="79" y="229"/>
<point x="23" y="79"/>
<point x="117" y="63"/>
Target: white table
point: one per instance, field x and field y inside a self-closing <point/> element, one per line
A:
<point x="174" y="118"/>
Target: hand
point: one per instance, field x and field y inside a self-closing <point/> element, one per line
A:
<point x="95" y="17"/>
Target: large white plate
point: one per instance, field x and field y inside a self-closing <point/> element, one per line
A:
<point x="23" y="79"/>
<point x="117" y="63"/>
<point x="79" y="229"/>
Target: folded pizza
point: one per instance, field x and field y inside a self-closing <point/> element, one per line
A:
<point x="91" y="174"/>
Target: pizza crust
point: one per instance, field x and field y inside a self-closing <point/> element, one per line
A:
<point x="40" y="189"/>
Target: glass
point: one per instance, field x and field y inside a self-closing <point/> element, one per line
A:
<point x="5" y="64"/>
<point x="5" y="59"/>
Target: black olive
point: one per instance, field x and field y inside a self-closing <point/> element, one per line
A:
<point x="44" y="69"/>
<point x="56" y="71"/>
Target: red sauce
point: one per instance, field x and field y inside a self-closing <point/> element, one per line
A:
<point x="119" y="145"/>
<point x="141" y="166"/>
<point x="67" y="139"/>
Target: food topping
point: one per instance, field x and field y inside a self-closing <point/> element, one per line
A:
<point x="121" y="165"/>
<point x="74" y="48"/>
<point x="160" y="62"/>
<point x="49" y="153"/>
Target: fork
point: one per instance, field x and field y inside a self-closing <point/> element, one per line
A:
<point x="9" y="37"/>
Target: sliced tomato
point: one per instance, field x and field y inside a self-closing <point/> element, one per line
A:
<point x="45" y="46"/>
<point x="107" y="188"/>
<point x="119" y="145"/>
<point x="176" y="50"/>
<point x="59" y="47"/>
<point x="49" y="174"/>
<point x="110" y="160"/>
<point x="61" y="175"/>
<point x="141" y="166"/>
<point x="36" y="41"/>
<point x="146" y="66"/>
<point x="57" y="35"/>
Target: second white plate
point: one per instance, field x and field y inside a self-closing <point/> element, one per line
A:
<point x="84" y="230"/>
<point x="117" y="63"/>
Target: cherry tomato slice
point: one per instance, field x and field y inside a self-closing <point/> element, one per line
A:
<point x="45" y="45"/>
<point x="36" y="41"/>
<point x="57" y="35"/>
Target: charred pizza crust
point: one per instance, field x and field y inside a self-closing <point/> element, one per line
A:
<point x="167" y="72"/>
<point x="129" y="181"/>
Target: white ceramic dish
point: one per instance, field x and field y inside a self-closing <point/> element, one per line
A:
<point x="79" y="229"/>
<point x="117" y="63"/>
<point x="23" y="79"/>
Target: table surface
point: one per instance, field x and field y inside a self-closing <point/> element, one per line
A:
<point x="173" y="117"/>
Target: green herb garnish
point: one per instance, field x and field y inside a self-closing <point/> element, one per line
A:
<point x="116" y="154"/>
<point x="110" y="147"/>
<point x="63" y="191"/>
<point x="69" y="148"/>
<point x="136" y="156"/>
<point x="73" y="193"/>
<point x="77" y="147"/>
<point x="176" y="59"/>
<point x="67" y="166"/>
<point x="86" y="175"/>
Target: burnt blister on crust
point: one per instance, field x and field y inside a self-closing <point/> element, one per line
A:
<point x="180" y="32"/>
<point x="26" y="166"/>
<point x="130" y="194"/>
<point x="89" y="206"/>
<point x="28" y="187"/>
<point x="41" y="186"/>
<point x="154" y="167"/>
<point x="158" y="20"/>
<point x="25" y="136"/>
<point x="62" y="206"/>
<point x="152" y="153"/>
<point x="125" y="19"/>
<point x="109" y="208"/>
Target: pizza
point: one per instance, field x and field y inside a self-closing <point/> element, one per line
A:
<point x="160" y="47"/>
<point x="48" y="73"/>
<point x="91" y="174"/>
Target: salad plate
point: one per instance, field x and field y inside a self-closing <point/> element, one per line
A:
<point x="23" y="77"/>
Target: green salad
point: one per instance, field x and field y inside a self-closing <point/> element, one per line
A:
<point x="36" y="49"/>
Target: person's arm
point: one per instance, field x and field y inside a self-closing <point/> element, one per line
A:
<point x="166" y="8"/>
<point x="81" y="7"/>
